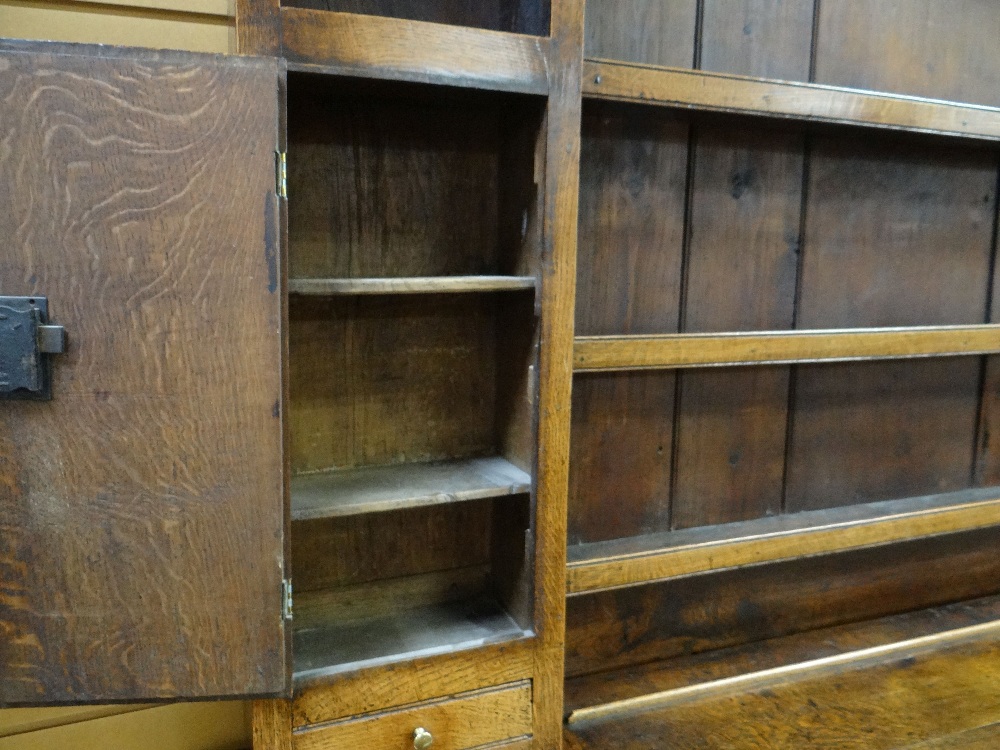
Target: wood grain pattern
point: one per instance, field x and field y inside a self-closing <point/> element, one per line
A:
<point x="621" y="445"/>
<point x="765" y="38"/>
<point x="142" y="508"/>
<point x="882" y="706"/>
<point x="633" y="174"/>
<point x="722" y="669"/>
<point x="401" y="50"/>
<point x="386" y="488"/>
<point x="521" y="16"/>
<point x="455" y="724"/>
<point x="410" y="285"/>
<point x="716" y="92"/>
<point x="741" y="270"/>
<point x="660" y="556"/>
<point x="271" y="725"/>
<point x="661" y="33"/>
<point x="393" y="685"/>
<point x="611" y="353"/>
<point x="631" y="626"/>
<point x="258" y="30"/>
<point x="557" y="258"/>
<point x="919" y="47"/>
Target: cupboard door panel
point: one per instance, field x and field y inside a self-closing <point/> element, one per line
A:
<point x="141" y="509"/>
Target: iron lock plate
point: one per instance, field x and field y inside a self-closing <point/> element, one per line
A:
<point x="26" y="340"/>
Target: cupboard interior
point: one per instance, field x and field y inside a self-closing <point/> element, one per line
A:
<point x="411" y="412"/>
<point x="518" y="16"/>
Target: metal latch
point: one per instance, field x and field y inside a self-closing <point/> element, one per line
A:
<point x="25" y="338"/>
<point x="281" y="173"/>
<point x="286" y="598"/>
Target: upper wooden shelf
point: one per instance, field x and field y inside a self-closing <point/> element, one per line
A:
<point x="655" y="557"/>
<point x="351" y="492"/>
<point x="808" y="102"/>
<point x="410" y="285"/>
<point x="396" y="49"/>
<point x="670" y="351"/>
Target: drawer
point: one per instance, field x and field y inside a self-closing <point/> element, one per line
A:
<point x="459" y="723"/>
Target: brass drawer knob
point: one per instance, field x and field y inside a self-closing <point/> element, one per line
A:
<point x="422" y="739"/>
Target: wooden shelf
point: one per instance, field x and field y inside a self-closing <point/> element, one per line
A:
<point x="439" y="628"/>
<point x="610" y="353"/>
<point x="352" y="492"/>
<point x="394" y="49"/>
<point x="818" y="654"/>
<point x="600" y="566"/>
<point x="410" y="285"/>
<point x="806" y="102"/>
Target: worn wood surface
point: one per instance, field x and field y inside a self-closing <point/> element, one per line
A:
<point x="404" y="50"/>
<point x="636" y="625"/>
<point x="885" y="705"/>
<point x="353" y="693"/>
<point x="520" y="16"/>
<point x="457" y="723"/>
<point x="610" y="353"/>
<point x="638" y="560"/>
<point x="410" y="285"/>
<point x="717" y="92"/>
<point x="385" y="488"/>
<point x="258" y="29"/>
<point x="140" y="201"/>
<point x="271" y="725"/>
<point x="920" y="47"/>
<point x="723" y="670"/>
<point x="764" y="38"/>
<point x="661" y="33"/>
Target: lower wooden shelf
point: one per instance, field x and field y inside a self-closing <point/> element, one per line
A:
<point x="336" y="647"/>
<point x="386" y="488"/>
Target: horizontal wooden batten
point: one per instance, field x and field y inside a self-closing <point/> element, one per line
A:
<point x="411" y="285"/>
<point x="351" y="492"/>
<point x="395" y="49"/>
<point x="670" y="351"/>
<point x="601" y="566"/>
<point x="807" y="102"/>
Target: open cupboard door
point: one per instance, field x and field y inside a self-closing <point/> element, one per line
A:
<point x="142" y="501"/>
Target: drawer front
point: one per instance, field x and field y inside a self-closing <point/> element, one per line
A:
<point x="460" y="723"/>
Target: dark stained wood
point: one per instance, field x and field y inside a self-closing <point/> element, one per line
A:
<point x="744" y="242"/>
<point x="710" y="670"/>
<point x="632" y="626"/>
<point x="521" y="16"/>
<point x="889" y="704"/>
<point x="355" y="400"/>
<point x="660" y="32"/>
<point x="141" y="510"/>
<point x="895" y="235"/>
<point x="766" y="38"/>
<point x="361" y="549"/>
<point x="920" y="47"/>
<point x="621" y="446"/>
<point x="403" y="50"/>
<point x="633" y="172"/>
<point x="258" y="27"/>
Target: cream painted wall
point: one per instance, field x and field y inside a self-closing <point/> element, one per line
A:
<point x="203" y="26"/>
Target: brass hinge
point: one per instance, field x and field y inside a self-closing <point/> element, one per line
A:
<point x="281" y="173"/>
<point x="286" y="598"/>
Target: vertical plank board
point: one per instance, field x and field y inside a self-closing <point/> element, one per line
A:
<point x="633" y="173"/>
<point x="271" y="725"/>
<point x="896" y="234"/>
<point x="944" y="50"/>
<point x="745" y="207"/>
<point x="620" y="459"/>
<point x="766" y="38"/>
<point x="658" y="32"/>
